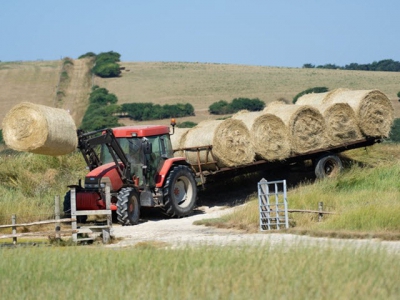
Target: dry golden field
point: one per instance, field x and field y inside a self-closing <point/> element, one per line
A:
<point x="200" y="84"/>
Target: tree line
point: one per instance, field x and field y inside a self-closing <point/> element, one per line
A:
<point x="387" y="65"/>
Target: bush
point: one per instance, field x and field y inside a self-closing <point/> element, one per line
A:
<point x="107" y="69"/>
<point x="394" y="135"/>
<point x="186" y="124"/>
<point x="398" y="94"/>
<point x="105" y="64"/>
<point x="149" y="111"/>
<point x="99" y="117"/>
<point x="88" y="54"/>
<point x="222" y="107"/>
<point x="102" y="96"/>
<point x="309" y="91"/>
<point x="249" y="104"/>
<point x="101" y="111"/>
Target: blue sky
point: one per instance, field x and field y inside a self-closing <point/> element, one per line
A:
<point x="283" y="33"/>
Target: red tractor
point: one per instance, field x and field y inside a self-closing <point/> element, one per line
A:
<point x="137" y="163"/>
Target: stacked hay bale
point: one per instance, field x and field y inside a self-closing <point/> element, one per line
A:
<point x="230" y="140"/>
<point x="39" y="129"/>
<point x="268" y="134"/>
<point x="341" y="122"/>
<point x="373" y="111"/>
<point x="176" y="139"/>
<point x="306" y="125"/>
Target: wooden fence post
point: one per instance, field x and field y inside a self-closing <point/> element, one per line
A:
<point x="320" y="209"/>
<point x="57" y="214"/>
<point x="14" y="228"/>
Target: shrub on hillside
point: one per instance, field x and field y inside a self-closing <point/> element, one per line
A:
<point x="98" y="117"/>
<point x="149" y="111"/>
<point x="394" y="135"/>
<point x="318" y="89"/>
<point x="102" y="96"/>
<point x="398" y="95"/>
<point x="222" y="107"/>
<point x="186" y="124"/>
<point x="101" y="111"/>
<point x="87" y="54"/>
<point x="105" y="64"/>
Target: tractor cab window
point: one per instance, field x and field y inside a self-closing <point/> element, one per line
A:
<point x="131" y="148"/>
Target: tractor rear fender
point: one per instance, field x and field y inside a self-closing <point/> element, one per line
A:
<point x="168" y="163"/>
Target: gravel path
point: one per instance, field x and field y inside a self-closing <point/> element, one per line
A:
<point x="174" y="233"/>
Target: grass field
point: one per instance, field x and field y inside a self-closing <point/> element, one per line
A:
<point x="200" y="84"/>
<point x="261" y="272"/>
<point x="366" y="198"/>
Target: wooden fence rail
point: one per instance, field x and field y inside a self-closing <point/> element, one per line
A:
<point x="57" y="232"/>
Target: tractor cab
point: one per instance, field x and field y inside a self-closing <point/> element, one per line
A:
<point x="145" y="147"/>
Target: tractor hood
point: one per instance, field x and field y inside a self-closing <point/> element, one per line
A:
<point x="102" y="175"/>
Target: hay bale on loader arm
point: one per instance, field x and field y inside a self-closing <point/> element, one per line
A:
<point x="40" y="129"/>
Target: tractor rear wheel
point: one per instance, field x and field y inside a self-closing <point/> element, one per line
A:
<point x="180" y="192"/>
<point x="128" y="207"/>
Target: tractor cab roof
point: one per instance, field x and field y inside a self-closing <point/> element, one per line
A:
<point x="140" y="131"/>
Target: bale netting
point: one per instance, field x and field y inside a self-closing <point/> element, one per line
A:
<point x="268" y="134"/>
<point x="340" y="119"/>
<point x="373" y="110"/>
<point x="230" y="140"/>
<point x="306" y="126"/>
<point x="176" y="140"/>
<point x="39" y="129"/>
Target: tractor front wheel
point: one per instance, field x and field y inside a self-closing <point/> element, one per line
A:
<point x="180" y="192"/>
<point x="128" y="207"/>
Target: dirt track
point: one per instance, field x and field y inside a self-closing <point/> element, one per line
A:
<point x="175" y="233"/>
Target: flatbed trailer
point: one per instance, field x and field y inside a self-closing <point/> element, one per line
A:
<point x="326" y="162"/>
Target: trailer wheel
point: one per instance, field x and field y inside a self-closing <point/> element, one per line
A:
<point x="67" y="209"/>
<point x="128" y="210"/>
<point x="328" y="166"/>
<point x="180" y="192"/>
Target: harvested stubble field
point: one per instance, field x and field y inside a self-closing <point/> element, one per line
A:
<point x="200" y="84"/>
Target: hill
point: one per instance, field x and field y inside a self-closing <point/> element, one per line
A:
<point x="200" y="84"/>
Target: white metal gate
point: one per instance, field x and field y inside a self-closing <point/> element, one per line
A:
<point x="273" y="206"/>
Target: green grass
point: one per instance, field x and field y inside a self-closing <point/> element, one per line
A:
<point x="30" y="182"/>
<point x="262" y="272"/>
<point x="365" y="199"/>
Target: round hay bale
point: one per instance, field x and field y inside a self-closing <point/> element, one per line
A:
<point x="176" y="140"/>
<point x="341" y="121"/>
<point x="306" y="126"/>
<point x="39" y="129"/>
<point x="318" y="98"/>
<point x="230" y="140"/>
<point x="373" y="110"/>
<point x="268" y="134"/>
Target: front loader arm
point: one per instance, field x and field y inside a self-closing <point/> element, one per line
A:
<point x="87" y="141"/>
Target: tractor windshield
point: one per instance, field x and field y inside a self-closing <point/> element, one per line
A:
<point x="132" y="147"/>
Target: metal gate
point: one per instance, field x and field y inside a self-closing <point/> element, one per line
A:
<point x="272" y="201"/>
